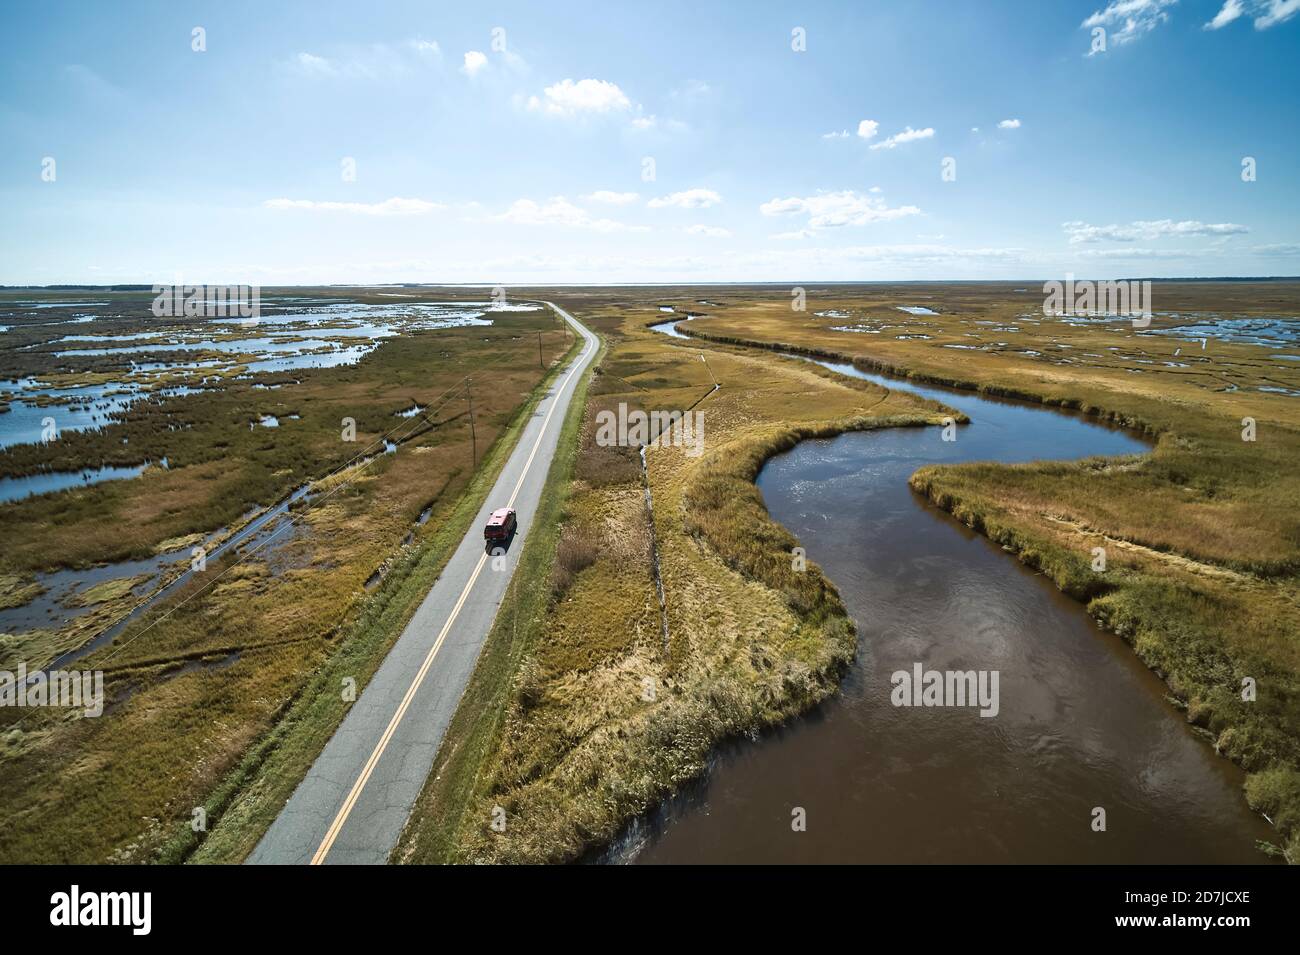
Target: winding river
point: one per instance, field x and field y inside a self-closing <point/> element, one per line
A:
<point x="1081" y="722"/>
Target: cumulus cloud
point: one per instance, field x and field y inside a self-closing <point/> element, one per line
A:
<point x="1267" y="13"/>
<point x="687" y="199"/>
<point x="867" y="129"/>
<point x="612" y="198"/>
<point x="570" y="98"/>
<point x="1126" y="20"/>
<point x="389" y="207"/>
<point x="475" y="61"/>
<point x="834" y="209"/>
<point x="906" y="136"/>
<point x="1009" y="124"/>
<point x="1082" y="232"/>
<point x="561" y="212"/>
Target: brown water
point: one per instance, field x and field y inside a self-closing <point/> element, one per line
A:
<point x="1081" y="724"/>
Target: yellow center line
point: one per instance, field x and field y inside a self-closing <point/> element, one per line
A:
<point x="355" y="793"/>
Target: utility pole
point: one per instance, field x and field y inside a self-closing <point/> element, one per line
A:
<point x="473" y="437"/>
<point x="540" y="362"/>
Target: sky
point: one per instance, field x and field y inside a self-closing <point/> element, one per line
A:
<point x="326" y="142"/>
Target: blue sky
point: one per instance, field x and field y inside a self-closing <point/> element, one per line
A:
<point x="521" y="155"/>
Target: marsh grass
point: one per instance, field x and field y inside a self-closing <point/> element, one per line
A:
<point x="575" y="552"/>
<point x="599" y="720"/>
<point x="286" y="626"/>
<point x="1202" y="535"/>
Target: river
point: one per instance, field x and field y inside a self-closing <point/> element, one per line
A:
<point x="1081" y="722"/>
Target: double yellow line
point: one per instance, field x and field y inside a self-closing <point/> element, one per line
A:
<point x="355" y="793"/>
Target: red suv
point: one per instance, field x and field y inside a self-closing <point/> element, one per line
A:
<point x="501" y="525"/>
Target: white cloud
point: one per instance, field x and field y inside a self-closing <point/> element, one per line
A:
<point x="687" y="199"/>
<point x="474" y="62"/>
<point x="1127" y="20"/>
<point x="713" y="232"/>
<point x="1009" y="124"/>
<point x="1288" y="249"/>
<point x="612" y="198"/>
<point x="1137" y="253"/>
<point x="569" y="98"/>
<point x="866" y="130"/>
<point x="906" y="136"/>
<point x="683" y="261"/>
<point x="371" y="62"/>
<point x="833" y="209"/>
<point x="389" y="207"/>
<point x="309" y="64"/>
<point x="1081" y="232"/>
<point x="1267" y="13"/>
<point x="560" y="211"/>
<point x="1280" y="250"/>
<point x="1276" y="11"/>
<point x="1230" y="11"/>
<point x="654" y="122"/>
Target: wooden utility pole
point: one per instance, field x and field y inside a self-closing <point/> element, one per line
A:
<point x="540" y="362"/>
<point x="473" y="437"/>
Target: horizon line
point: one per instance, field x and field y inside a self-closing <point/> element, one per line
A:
<point x="139" y="286"/>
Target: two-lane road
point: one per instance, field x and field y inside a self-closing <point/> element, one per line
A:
<point x="352" y="805"/>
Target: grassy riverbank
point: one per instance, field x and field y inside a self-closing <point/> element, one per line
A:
<point x="1202" y="539"/>
<point x="596" y="717"/>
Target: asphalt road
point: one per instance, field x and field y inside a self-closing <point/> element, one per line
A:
<point x="352" y="805"/>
